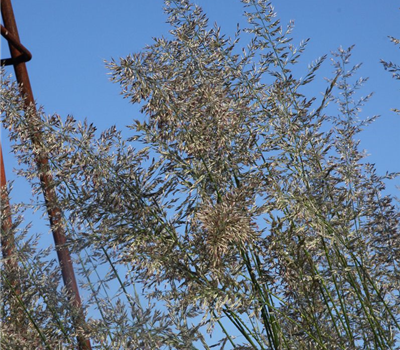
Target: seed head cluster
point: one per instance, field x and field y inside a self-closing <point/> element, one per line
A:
<point x="238" y="207"/>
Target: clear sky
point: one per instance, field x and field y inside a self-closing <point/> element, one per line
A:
<point x="71" y="39"/>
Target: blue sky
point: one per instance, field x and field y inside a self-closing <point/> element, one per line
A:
<point x="71" y="39"/>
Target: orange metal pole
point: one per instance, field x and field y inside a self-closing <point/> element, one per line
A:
<point x="7" y="243"/>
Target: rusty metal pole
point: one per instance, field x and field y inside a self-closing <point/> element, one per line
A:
<point x="7" y="243"/>
<point x="46" y="180"/>
<point x="8" y="250"/>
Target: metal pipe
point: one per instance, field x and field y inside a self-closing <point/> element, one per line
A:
<point x="46" y="179"/>
<point x="7" y="237"/>
<point x="24" y="56"/>
<point x="7" y="243"/>
<point x="8" y="248"/>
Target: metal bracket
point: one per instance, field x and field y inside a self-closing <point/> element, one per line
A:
<point x="25" y="55"/>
